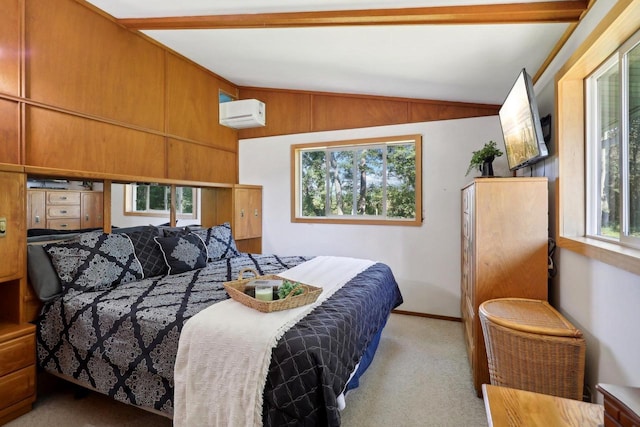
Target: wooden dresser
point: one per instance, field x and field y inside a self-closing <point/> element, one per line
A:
<point x="621" y="405"/>
<point x="504" y="252"/>
<point x="64" y="209"/>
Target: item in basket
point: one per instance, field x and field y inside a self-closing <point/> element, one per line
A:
<point x="287" y="287"/>
<point x="264" y="288"/>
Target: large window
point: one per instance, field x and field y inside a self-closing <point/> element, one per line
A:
<point x="149" y="200"/>
<point x="371" y="181"/>
<point x="577" y="220"/>
<point x="613" y="154"/>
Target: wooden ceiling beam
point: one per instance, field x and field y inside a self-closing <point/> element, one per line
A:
<point x="512" y="13"/>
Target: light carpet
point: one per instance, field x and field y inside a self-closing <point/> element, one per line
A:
<point x="420" y="376"/>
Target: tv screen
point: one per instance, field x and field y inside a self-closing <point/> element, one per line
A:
<point x="523" y="138"/>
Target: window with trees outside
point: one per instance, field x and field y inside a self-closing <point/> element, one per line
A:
<point x="151" y="199"/>
<point x="613" y="154"/>
<point x="372" y="181"/>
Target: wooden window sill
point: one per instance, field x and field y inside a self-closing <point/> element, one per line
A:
<point x="611" y="253"/>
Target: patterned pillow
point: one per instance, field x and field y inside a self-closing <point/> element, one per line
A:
<point x="148" y="251"/>
<point x="173" y="231"/>
<point x="183" y="253"/>
<point x="219" y="241"/>
<point x="94" y="261"/>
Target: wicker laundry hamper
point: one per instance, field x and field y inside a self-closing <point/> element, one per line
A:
<point x="530" y="346"/>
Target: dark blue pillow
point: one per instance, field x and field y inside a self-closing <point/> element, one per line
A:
<point x="219" y="241"/>
<point x="94" y="261"/>
<point x="148" y="251"/>
<point x="183" y="253"/>
<point x="173" y="231"/>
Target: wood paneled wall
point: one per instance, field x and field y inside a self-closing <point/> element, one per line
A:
<point x="10" y="47"/>
<point x="80" y="92"/>
<point x="9" y="131"/>
<point x="65" y="141"/>
<point x="81" y="61"/>
<point x="300" y="111"/>
<point x="10" y="63"/>
<point x="196" y="162"/>
<point x="190" y="110"/>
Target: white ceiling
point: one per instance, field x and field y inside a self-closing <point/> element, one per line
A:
<point x="469" y="63"/>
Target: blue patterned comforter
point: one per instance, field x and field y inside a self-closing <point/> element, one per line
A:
<point x="123" y="341"/>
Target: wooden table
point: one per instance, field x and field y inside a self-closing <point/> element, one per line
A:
<point x="507" y="407"/>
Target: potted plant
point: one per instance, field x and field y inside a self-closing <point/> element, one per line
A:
<point x="483" y="159"/>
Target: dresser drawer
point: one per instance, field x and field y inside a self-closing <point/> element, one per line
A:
<point x="467" y="200"/>
<point x="17" y="386"/>
<point x="17" y="353"/>
<point x="466" y="226"/>
<point x="63" y="211"/>
<point x="63" y="198"/>
<point x="616" y="415"/>
<point x="64" y="224"/>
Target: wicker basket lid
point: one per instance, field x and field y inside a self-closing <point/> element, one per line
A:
<point x="528" y="315"/>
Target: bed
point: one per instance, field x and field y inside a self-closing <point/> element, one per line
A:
<point x="121" y="337"/>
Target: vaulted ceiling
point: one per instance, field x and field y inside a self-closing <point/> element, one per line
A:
<point x="454" y="50"/>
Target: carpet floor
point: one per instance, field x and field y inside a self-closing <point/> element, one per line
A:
<point x="420" y="376"/>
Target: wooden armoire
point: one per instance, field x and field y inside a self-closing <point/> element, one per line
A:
<point x="504" y="252"/>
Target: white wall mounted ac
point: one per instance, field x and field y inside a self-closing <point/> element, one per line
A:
<point x="242" y="114"/>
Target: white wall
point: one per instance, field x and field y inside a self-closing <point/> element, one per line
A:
<point x="599" y="299"/>
<point x="603" y="302"/>
<point x="426" y="259"/>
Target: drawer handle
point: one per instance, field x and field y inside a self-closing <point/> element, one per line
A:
<point x="63" y="211"/>
<point x="63" y="197"/>
<point x="37" y="219"/>
<point x="64" y="225"/>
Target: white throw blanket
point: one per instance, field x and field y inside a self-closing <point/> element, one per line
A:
<point x="224" y="351"/>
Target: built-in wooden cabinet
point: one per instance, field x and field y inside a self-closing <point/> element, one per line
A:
<point x="64" y="209"/>
<point x="91" y="209"/>
<point x="247" y="221"/>
<point x="36" y="213"/>
<point x="241" y="206"/>
<point x="17" y="338"/>
<point x="12" y="229"/>
<point x="17" y="370"/>
<point x="504" y="252"/>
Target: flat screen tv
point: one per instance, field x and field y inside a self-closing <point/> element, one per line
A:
<point x="521" y="127"/>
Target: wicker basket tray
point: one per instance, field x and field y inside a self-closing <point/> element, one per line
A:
<point x="236" y="290"/>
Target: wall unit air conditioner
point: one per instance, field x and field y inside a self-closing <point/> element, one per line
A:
<point x="242" y="114"/>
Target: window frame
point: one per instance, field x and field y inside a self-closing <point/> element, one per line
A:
<point x="593" y="150"/>
<point x="570" y="227"/>
<point x="619" y="61"/>
<point x="632" y="43"/>
<point x="365" y="219"/>
<point x="129" y="202"/>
